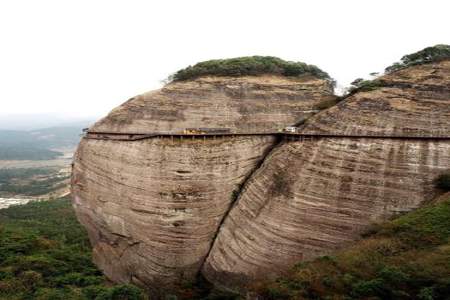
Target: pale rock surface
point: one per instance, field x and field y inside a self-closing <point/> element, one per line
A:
<point x="152" y="207"/>
<point x="248" y="104"/>
<point x="312" y="197"/>
<point x="413" y="102"/>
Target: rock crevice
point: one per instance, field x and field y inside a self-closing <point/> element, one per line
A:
<point x="172" y="195"/>
<point x="237" y="193"/>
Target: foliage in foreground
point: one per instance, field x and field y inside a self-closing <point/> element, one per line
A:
<point x="408" y="258"/>
<point x="45" y="254"/>
<point x="250" y="65"/>
<point x="427" y="55"/>
<point x="362" y="85"/>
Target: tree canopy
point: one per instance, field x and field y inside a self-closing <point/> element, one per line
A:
<point x="427" y="55"/>
<point x="249" y="65"/>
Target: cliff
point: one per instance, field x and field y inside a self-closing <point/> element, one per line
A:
<point x="243" y="207"/>
<point x="314" y="196"/>
<point x="410" y="102"/>
<point x="246" y="104"/>
<point x="152" y="207"/>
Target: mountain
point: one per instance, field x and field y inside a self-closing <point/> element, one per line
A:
<point x="153" y="207"/>
<point x="374" y="155"/>
<point x="28" y="122"/>
<point x="246" y="206"/>
<point x="38" y="144"/>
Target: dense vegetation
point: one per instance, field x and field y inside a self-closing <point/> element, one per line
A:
<point x="45" y="254"/>
<point x="34" y="188"/>
<point x="21" y="152"/>
<point x="8" y="175"/>
<point x="250" y="65"/>
<point x="427" y="55"/>
<point x="407" y="258"/>
<point x="30" y="181"/>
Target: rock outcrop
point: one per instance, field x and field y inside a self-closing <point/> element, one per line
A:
<point x="248" y="104"/>
<point x="411" y="102"/>
<point x="313" y="196"/>
<point x="248" y="206"/>
<point x="152" y="207"/>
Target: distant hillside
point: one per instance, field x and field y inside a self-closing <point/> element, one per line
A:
<point x="37" y="121"/>
<point x="27" y="153"/>
<point x="37" y="144"/>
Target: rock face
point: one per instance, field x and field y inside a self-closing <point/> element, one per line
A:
<point x="152" y="207"/>
<point x="412" y="102"/>
<point x="249" y="104"/>
<point x="312" y="197"/>
<point x="248" y="207"/>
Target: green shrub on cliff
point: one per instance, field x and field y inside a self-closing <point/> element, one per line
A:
<point x="407" y="258"/>
<point x="427" y="55"/>
<point x="362" y="85"/>
<point x="45" y="254"/>
<point x="250" y="65"/>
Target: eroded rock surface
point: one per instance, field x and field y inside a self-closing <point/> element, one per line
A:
<point x="153" y="207"/>
<point x="412" y="102"/>
<point x="312" y="197"/>
<point x="250" y="104"/>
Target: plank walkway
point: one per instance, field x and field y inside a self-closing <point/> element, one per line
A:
<point x="287" y="135"/>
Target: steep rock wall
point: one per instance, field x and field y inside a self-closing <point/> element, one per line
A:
<point x="152" y="207"/>
<point x="411" y="102"/>
<point x="312" y="197"/>
<point x="248" y="104"/>
<point x="163" y="199"/>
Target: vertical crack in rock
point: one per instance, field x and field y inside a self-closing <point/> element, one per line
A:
<point x="172" y="194"/>
<point x="338" y="185"/>
<point x="237" y="193"/>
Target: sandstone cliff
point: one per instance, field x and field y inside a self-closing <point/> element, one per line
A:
<point x="247" y="104"/>
<point x="411" y="102"/>
<point x="247" y="207"/>
<point x="311" y="197"/>
<point x="152" y="207"/>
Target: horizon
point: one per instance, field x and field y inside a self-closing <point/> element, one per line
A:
<point x="38" y="121"/>
<point x="55" y="64"/>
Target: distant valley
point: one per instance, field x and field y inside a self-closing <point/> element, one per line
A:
<point x="35" y="164"/>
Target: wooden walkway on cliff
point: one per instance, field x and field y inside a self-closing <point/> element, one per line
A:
<point x="115" y="136"/>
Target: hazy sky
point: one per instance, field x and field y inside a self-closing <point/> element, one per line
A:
<point x="84" y="57"/>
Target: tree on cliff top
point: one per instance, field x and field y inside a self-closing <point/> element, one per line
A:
<point x="249" y="65"/>
<point x="427" y="55"/>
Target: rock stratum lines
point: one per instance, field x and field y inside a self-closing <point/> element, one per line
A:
<point x="313" y="197"/>
<point x="249" y="205"/>
<point x="152" y="207"/>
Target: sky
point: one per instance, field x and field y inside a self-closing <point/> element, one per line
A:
<point x="82" y="58"/>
